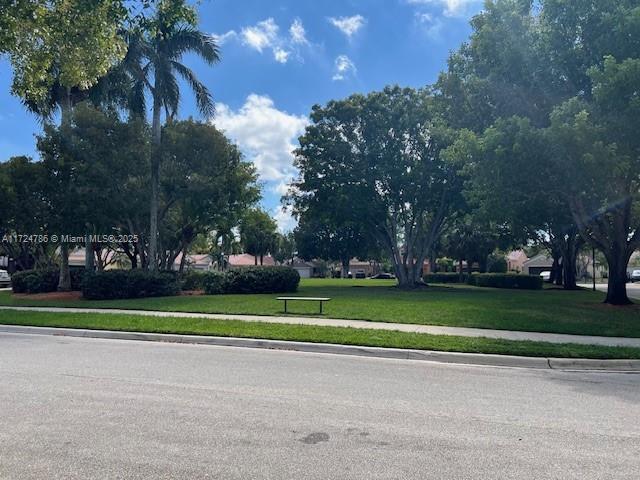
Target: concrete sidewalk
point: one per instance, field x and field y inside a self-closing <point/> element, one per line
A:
<point x="362" y="324"/>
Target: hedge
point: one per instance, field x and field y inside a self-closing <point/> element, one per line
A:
<point x="44" y="280"/>
<point x="444" y="277"/>
<point x="252" y="280"/>
<point x="116" y="284"/>
<point x="214" y="283"/>
<point x="193" y="280"/>
<point x="508" y="280"/>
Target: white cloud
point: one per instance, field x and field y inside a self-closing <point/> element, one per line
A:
<point x="348" y="25"/>
<point x="431" y="26"/>
<point x="265" y="36"/>
<point x="267" y="136"/>
<point x="344" y="67"/>
<point x="282" y="187"/>
<point x="262" y="35"/>
<point x="298" y="33"/>
<point x="284" y="219"/>
<point x="281" y="55"/>
<point x="223" y="38"/>
<point x="452" y="8"/>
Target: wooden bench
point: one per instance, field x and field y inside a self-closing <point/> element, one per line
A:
<point x="303" y="299"/>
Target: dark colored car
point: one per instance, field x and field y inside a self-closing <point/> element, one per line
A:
<point x="384" y="276"/>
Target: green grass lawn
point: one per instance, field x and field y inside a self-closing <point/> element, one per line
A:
<point x="338" y="335"/>
<point x="579" y="312"/>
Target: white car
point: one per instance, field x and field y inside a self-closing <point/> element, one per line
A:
<point x="546" y="276"/>
<point x="635" y="276"/>
<point x="5" y="279"/>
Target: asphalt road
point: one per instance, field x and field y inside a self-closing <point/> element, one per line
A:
<point x="85" y="408"/>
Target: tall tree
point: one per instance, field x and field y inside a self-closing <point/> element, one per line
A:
<point x="381" y="152"/>
<point x="320" y="237"/>
<point x="58" y="50"/>
<point x="525" y="59"/>
<point x="205" y="186"/>
<point x="285" y="247"/>
<point x="597" y="147"/>
<point x="162" y="42"/>
<point x="258" y="234"/>
<point x="23" y="211"/>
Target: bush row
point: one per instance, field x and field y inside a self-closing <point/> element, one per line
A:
<point x="251" y="280"/>
<point x="119" y="284"/>
<point x="509" y="280"/>
<point x="496" y="280"/>
<point x="43" y="280"/>
<point x="444" y="277"/>
<point x="115" y="284"/>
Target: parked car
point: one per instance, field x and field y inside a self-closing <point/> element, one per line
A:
<point x="546" y="276"/>
<point x="384" y="276"/>
<point x="635" y="276"/>
<point x="5" y="279"/>
<point x="361" y="274"/>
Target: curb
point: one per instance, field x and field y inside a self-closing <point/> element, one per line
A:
<point x="622" y="366"/>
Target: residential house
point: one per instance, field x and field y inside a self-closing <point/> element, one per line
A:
<point x="305" y="269"/>
<point x="537" y="264"/>
<point x="246" y="260"/>
<point x="516" y="260"/>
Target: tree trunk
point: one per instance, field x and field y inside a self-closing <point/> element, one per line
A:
<point x="556" y="270"/>
<point x="156" y="130"/>
<point x="569" y="260"/>
<point x="569" y="271"/>
<point x="617" y="260"/>
<point x="406" y="278"/>
<point x="460" y="272"/>
<point x="64" y="281"/>
<point x="183" y="259"/>
<point x="345" y="268"/>
<point x="89" y="262"/>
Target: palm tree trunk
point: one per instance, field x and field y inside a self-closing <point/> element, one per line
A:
<point x="64" y="280"/>
<point x="156" y="130"/>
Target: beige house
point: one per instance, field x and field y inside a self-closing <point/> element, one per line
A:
<point x="516" y="260"/>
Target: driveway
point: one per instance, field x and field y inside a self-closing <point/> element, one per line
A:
<point x="89" y="408"/>
<point x="633" y="289"/>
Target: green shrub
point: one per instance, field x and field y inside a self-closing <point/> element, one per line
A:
<point x="44" y="280"/>
<point x="444" y="277"/>
<point x="262" y="280"/>
<point x="193" y="280"/>
<point x="35" y="281"/>
<point x="508" y="280"/>
<point x="114" y="284"/>
<point x="497" y="264"/>
<point x="252" y="280"/>
<point x="214" y="283"/>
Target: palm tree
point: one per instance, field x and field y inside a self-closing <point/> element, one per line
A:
<point x="165" y="39"/>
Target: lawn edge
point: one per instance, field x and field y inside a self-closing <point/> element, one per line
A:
<point x="478" y="359"/>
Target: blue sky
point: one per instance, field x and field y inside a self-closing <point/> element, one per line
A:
<point x="280" y="57"/>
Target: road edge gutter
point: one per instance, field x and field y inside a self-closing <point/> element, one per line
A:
<point x="479" y="359"/>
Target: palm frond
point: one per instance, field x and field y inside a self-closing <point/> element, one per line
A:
<point x="170" y="91"/>
<point x="204" y="100"/>
<point x="190" y="40"/>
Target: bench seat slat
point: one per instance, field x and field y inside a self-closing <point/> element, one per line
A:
<point x="314" y="299"/>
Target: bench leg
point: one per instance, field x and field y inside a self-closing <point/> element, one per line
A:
<point x="321" y="307"/>
<point x="285" y="306"/>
